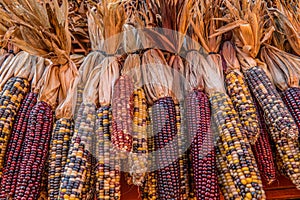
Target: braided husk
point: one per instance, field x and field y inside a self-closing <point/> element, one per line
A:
<point x="284" y="67"/>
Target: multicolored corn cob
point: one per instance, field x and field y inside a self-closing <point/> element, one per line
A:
<point x="74" y="175"/>
<point x="14" y="91"/>
<point x="239" y="157"/>
<point x="275" y="112"/>
<point x="121" y="107"/>
<point x="14" y="150"/>
<point x="262" y="150"/>
<point x="139" y="155"/>
<point x="59" y="147"/>
<point x="243" y="103"/>
<point x="108" y="166"/>
<point x="202" y="147"/>
<point x="166" y="147"/>
<point x="35" y="152"/>
<point x="291" y="98"/>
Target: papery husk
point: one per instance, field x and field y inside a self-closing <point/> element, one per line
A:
<point x="20" y="63"/>
<point x="247" y="21"/>
<point x="109" y="74"/>
<point x="194" y="73"/>
<point x="180" y="86"/>
<point x="204" y="26"/>
<point x="157" y="76"/>
<point x="247" y="62"/>
<point x="132" y="68"/>
<point x="289" y="19"/>
<point x="91" y="60"/>
<point x="67" y="74"/>
<point x="38" y="73"/>
<point x="284" y="67"/>
<point x="41" y="29"/>
<point x="50" y="86"/>
<point x="213" y="77"/>
<point x="229" y="55"/>
<point x="95" y="27"/>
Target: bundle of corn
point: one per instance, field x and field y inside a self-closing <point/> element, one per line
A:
<point x="239" y="93"/>
<point x="274" y="111"/>
<point x="95" y="28"/>
<point x="286" y="20"/>
<point x="249" y="33"/>
<point x="239" y="157"/>
<point x="201" y="138"/>
<point x="16" y="143"/>
<point x="284" y="68"/>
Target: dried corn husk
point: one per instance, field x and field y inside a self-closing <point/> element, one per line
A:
<point x="284" y="67"/>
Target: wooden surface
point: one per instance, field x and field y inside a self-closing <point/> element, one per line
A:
<point x="282" y="189"/>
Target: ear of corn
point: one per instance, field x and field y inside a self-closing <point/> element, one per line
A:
<point x="74" y="175"/>
<point x="59" y="147"/>
<point x="239" y="157"/>
<point x="202" y="148"/>
<point x="108" y="166"/>
<point x="11" y="96"/>
<point x="276" y="113"/>
<point x="14" y="150"/>
<point x="241" y="98"/>
<point x="263" y="151"/>
<point x="165" y="129"/>
<point x="139" y="155"/>
<point x="122" y="122"/>
<point x="291" y="98"/>
<point x="35" y="152"/>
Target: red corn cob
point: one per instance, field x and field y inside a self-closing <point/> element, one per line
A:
<point x="13" y="154"/>
<point x="165" y="129"/>
<point x="262" y="150"/>
<point x="202" y="148"/>
<point x="122" y="122"/>
<point x="34" y="152"/>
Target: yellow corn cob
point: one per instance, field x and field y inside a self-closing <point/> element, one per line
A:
<point x="138" y="157"/>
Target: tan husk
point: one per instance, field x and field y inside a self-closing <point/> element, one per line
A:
<point x="204" y="25"/>
<point x="95" y="27"/>
<point x="179" y="84"/>
<point x="229" y="55"/>
<point x="38" y="73"/>
<point x="20" y="63"/>
<point x="132" y="68"/>
<point x="194" y="73"/>
<point x="213" y="77"/>
<point x="283" y="66"/>
<point x="50" y="86"/>
<point x="157" y="75"/>
<point x="247" y="21"/>
<point x="109" y="73"/>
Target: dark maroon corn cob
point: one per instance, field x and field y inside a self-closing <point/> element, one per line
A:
<point x="35" y="152"/>
<point x="262" y="150"/>
<point x="203" y="158"/>
<point x="291" y="98"/>
<point x="165" y="130"/>
<point x="13" y="154"/>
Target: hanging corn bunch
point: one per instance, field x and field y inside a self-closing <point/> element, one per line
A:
<point x="239" y="157"/>
<point x="239" y="93"/>
<point x="14" y="150"/>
